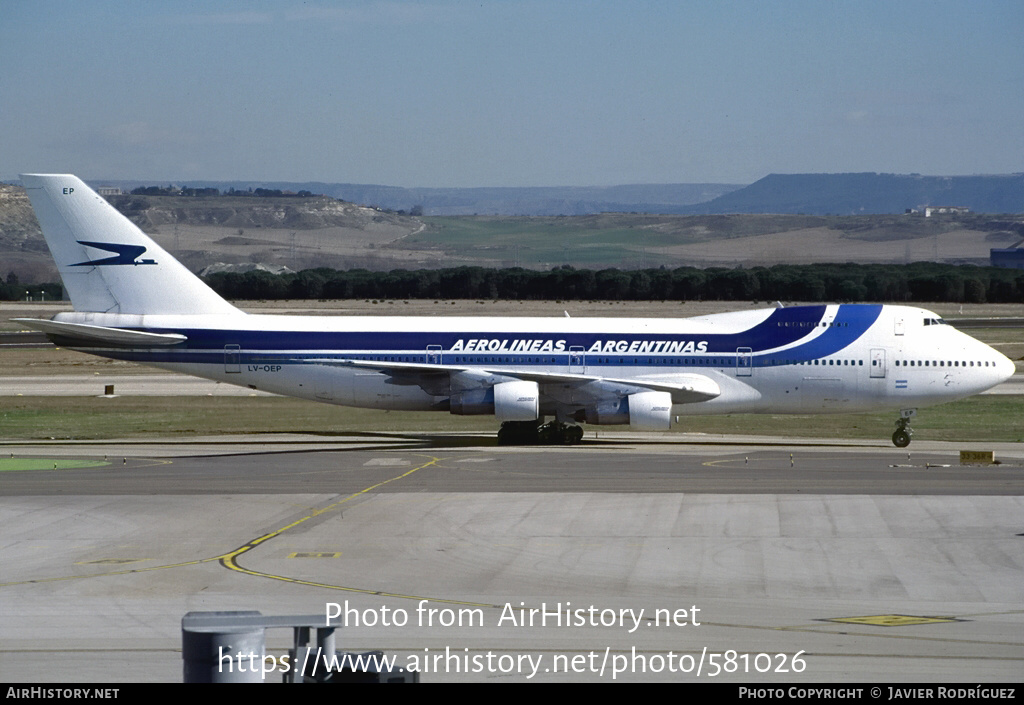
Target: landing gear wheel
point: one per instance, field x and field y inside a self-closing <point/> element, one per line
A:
<point x="518" y="433"/>
<point x="560" y="434"/>
<point x="901" y="439"/>
<point x="521" y="433"/>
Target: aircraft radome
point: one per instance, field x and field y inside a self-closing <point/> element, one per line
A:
<point x="133" y="301"/>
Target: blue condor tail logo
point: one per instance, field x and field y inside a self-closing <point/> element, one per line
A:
<point x="124" y="254"/>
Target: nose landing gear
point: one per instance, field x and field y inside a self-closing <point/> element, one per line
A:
<point x="901" y="436"/>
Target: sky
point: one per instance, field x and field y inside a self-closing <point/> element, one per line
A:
<point x="445" y="93"/>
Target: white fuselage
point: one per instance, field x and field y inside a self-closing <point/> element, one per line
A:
<point x="810" y="359"/>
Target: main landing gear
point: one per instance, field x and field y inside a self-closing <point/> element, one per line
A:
<point x="901" y="436"/>
<point x="528" y="433"/>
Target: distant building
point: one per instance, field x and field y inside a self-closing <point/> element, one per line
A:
<point x="945" y="210"/>
<point x="1009" y="257"/>
<point x="109" y="191"/>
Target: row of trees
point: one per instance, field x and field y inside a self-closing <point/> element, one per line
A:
<point x="13" y="291"/>
<point x="922" y="281"/>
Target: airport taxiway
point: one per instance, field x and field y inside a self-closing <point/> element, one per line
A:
<point x="920" y="555"/>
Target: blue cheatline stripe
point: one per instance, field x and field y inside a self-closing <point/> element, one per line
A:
<point x="851" y="322"/>
<point x="785" y="326"/>
<point x="243" y="357"/>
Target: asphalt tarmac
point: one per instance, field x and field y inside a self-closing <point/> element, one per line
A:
<point x="741" y="552"/>
<point x="617" y="462"/>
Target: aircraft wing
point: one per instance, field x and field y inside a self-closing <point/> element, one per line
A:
<point x="686" y="388"/>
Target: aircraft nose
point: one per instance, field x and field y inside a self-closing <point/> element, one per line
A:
<point x="1005" y="367"/>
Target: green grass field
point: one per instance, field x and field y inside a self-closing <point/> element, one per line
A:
<point x="531" y="242"/>
<point x="23" y="464"/>
<point x="621" y="239"/>
<point x="595" y="240"/>
<point x="982" y="418"/>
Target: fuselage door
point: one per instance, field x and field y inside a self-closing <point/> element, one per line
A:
<point x="577" y="360"/>
<point x="232" y="358"/>
<point x="877" y="362"/>
<point x="744" y="362"/>
<point x="433" y="354"/>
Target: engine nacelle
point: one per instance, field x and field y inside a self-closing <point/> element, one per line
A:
<point x="643" y="411"/>
<point x="517" y="401"/>
<point x="508" y="401"/>
<point x="650" y="411"/>
<point x="472" y="402"/>
<point x="608" y="413"/>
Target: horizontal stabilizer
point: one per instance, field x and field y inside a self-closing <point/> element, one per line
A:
<point x="84" y="335"/>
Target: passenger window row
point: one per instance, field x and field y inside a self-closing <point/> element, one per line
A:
<point x="944" y="363"/>
<point x="716" y="362"/>
<point x="812" y="324"/>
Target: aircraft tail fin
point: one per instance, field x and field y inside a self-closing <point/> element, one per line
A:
<point x="107" y="264"/>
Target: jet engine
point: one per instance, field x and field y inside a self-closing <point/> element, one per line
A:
<point x="608" y="413"/>
<point x="516" y="401"/>
<point x="508" y="401"/>
<point x="643" y="411"/>
<point x="650" y="411"/>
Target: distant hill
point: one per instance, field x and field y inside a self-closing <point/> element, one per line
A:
<point x="558" y="200"/>
<point x="869" y="193"/>
<point x="796" y="194"/>
<point x="305" y="232"/>
<point x="226" y="210"/>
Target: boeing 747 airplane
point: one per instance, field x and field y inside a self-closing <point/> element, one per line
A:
<point x="133" y="301"/>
